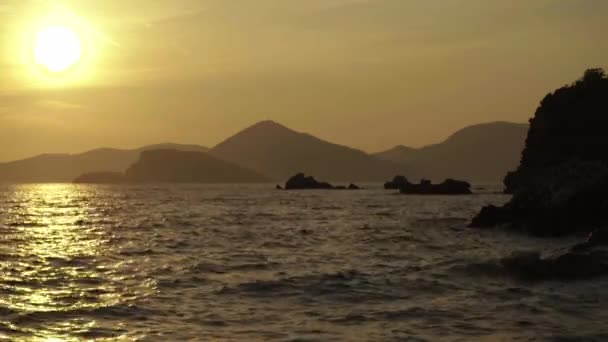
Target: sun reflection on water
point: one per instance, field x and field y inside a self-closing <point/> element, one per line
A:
<point x="55" y="264"/>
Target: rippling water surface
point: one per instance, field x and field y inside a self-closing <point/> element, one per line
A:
<point x="224" y="263"/>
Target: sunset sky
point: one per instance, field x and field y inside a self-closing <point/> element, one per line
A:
<point x="365" y="73"/>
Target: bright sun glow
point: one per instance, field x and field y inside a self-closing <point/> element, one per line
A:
<point x="57" y="48"/>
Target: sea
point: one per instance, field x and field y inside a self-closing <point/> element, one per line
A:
<point x="191" y="262"/>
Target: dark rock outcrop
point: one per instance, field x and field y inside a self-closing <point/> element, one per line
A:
<point x="570" y="265"/>
<point x="491" y="216"/>
<point x="101" y="178"/>
<point x="301" y="182"/>
<point x="585" y="260"/>
<point x="397" y="183"/>
<point x="426" y="187"/>
<point x="598" y="238"/>
<point x="561" y="185"/>
<point x="570" y="124"/>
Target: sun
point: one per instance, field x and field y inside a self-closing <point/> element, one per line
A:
<point x="57" y="49"/>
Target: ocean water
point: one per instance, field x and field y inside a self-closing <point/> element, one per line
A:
<point x="249" y="263"/>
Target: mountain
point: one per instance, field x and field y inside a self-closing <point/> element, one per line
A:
<point x="279" y="152"/>
<point x="58" y="168"/>
<point x="399" y="154"/>
<point x="484" y="152"/>
<point x="188" y="166"/>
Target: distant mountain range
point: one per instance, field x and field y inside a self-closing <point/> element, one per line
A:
<point x="484" y="152"/>
<point x="279" y="152"/>
<point x="270" y="151"/>
<point x="59" y="168"/>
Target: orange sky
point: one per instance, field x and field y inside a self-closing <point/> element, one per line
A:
<point x="366" y="73"/>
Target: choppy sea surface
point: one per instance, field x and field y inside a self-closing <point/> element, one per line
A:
<point x="250" y="263"/>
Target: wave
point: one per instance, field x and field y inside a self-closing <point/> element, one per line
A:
<point x="347" y="286"/>
<point x="121" y="310"/>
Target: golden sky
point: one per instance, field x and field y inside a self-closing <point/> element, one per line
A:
<point x="366" y="73"/>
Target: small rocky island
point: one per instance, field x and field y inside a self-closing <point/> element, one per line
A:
<point x="561" y="185"/>
<point x="302" y="182"/>
<point x="426" y="187"/>
<point x="448" y="187"/>
<point x="397" y="183"/>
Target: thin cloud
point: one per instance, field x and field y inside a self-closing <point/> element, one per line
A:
<point x="58" y="104"/>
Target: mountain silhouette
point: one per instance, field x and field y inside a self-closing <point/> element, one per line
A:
<point x="478" y="153"/>
<point x="188" y="166"/>
<point x="59" y="168"/>
<point x="279" y="152"/>
<point x="399" y="154"/>
<point x="484" y="152"/>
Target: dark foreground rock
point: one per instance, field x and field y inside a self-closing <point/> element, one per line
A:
<point x="586" y="260"/>
<point x="303" y="182"/>
<point x="101" y="178"/>
<point x="561" y="185"/>
<point x="397" y="183"/>
<point x="570" y="265"/>
<point x="564" y="199"/>
<point x="448" y="187"/>
<point x="491" y="216"/>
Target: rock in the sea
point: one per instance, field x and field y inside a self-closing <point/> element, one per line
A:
<point x="278" y="187"/>
<point x="491" y="216"/>
<point x="353" y="187"/>
<point x="101" y="178"/>
<point x="561" y="185"/>
<point x="302" y="182"/>
<point x="569" y="265"/>
<point x="598" y="237"/>
<point x="448" y="187"/>
<point x="397" y="183"/>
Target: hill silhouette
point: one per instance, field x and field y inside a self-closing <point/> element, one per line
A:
<point x="58" y="168"/>
<point x="399" y="154"/>
<point x="480" y="152"/>
<point x="484" y="152"/>
<point x="188" y="166"/>
<point x="561" y="185"/>
<point x="279" y="152"/>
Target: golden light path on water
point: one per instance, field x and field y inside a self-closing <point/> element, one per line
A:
<point x="55" y="264"/>
<point x="189" y="262"/>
